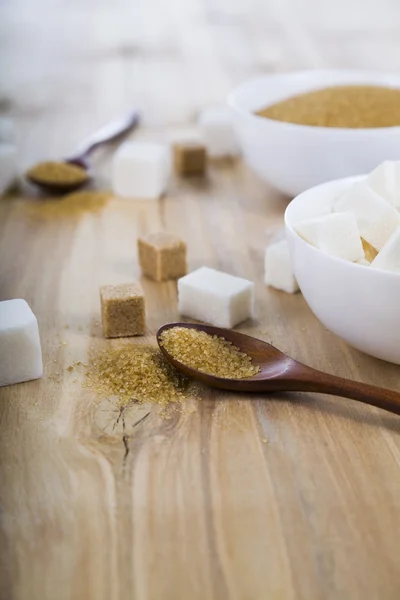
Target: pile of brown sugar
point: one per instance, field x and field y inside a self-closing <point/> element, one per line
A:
<point x="74" y="204"/>
<point x="136" y="373"/>
<point x="57" y="173"/>
<point x="207" y="353"/>
<point x="352" y="106"/>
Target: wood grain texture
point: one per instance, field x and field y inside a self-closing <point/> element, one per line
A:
<point x="283" y="497"/>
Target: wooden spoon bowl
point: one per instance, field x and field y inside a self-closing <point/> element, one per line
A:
<point x="62" y="187"/>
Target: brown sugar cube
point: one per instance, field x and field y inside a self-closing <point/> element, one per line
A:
<point x="162" y="256"/>
<point x="190" y="158"/>
<point x="122" y="310"/>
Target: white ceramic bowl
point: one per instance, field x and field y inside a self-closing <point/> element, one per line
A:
<point x="357" y="303"/>
<point x="293" y="157"/>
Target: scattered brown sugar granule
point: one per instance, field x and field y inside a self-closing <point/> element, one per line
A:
<point x="136" y="373"/>
<point x="162" y="256"/>
<point x="370" y="251"/>
<point x="190" y="158"/>
<point x="71" y="205"/>
<point x="353" y="106"/>
<point x="57" y="173"/>
<point x="122" y="310"/>
<point x="210" y="354"/>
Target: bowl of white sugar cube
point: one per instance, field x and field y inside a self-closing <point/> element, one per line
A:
<point x="344" y="242"/>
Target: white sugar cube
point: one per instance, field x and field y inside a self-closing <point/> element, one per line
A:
<point x="20" y="352"/>
<point x="376" y="218"/>
<point x="215" y="297"/>
<point x="216" y="127"/>
<point x="278" y="268"/>
<point x="336" y="234"/>
<point x="363" y="261"/>
<point x="388" y="258"/>
<point x="8" y="166"/>
<point x="141" y="170"/>
<point x="180" y="136"/>
<point x="385" y="181"/>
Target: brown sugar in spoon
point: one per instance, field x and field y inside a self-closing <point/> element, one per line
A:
<point x="280" y="373"/>
<point x="74" y="171"/>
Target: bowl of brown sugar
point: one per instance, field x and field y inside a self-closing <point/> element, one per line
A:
<point x="303" y="128"/>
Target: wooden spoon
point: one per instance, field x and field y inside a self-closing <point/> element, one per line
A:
<point x="109" y="133"/>
<point x="281" y="373"/>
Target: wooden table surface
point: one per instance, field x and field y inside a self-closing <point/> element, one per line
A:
<point x="283" y="497"/>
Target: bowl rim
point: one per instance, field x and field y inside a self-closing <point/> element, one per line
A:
<point x="297" y="127"/>
<point x="335" y="259"/>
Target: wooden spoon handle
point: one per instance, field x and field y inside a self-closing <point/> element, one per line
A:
<point x="311" y="380"/>
<point x="109" y="133"/>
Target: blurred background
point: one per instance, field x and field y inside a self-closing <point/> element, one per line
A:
<point x="67" y="66"/>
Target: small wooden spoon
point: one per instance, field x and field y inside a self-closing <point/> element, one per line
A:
<point x="281" y="373"/>
<point x="109" y="133"/>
